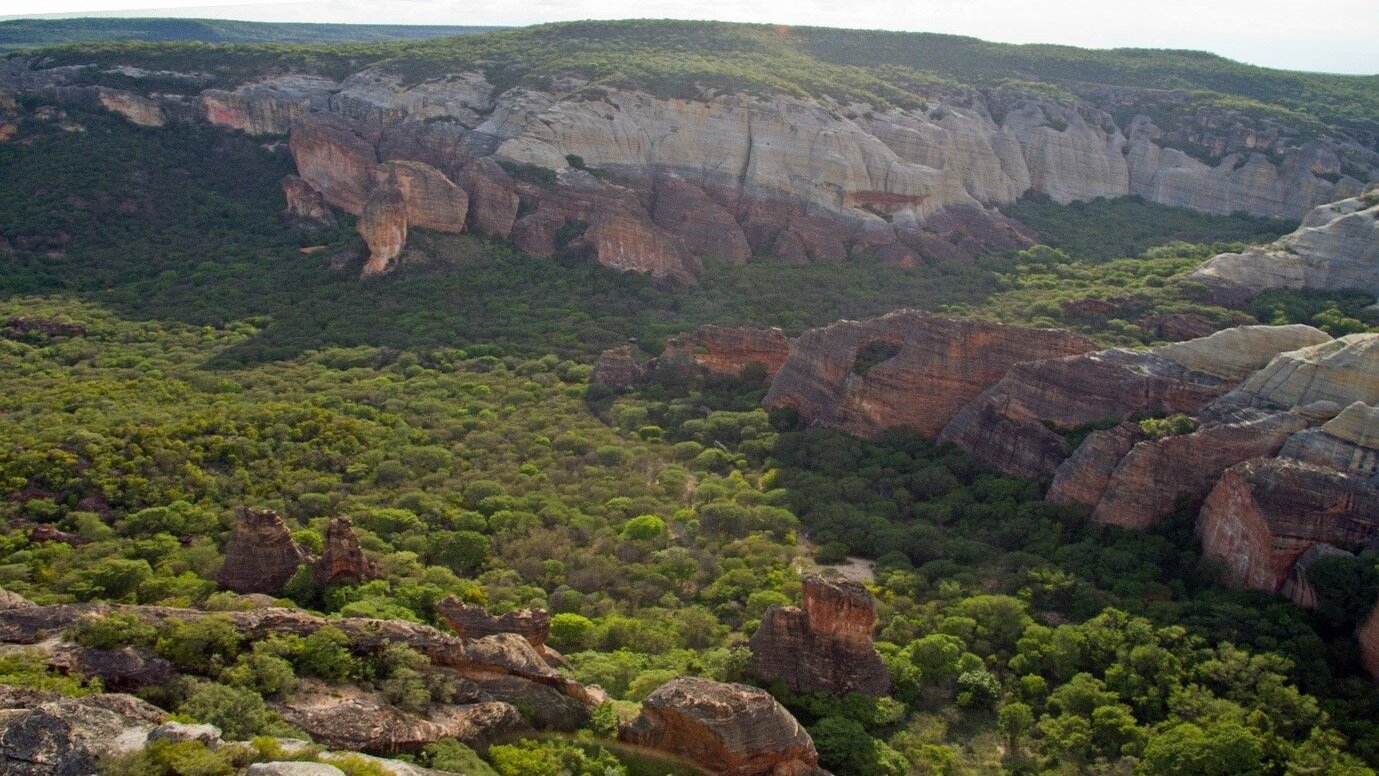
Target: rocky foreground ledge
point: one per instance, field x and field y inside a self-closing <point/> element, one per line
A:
<point x="719" y="727"/>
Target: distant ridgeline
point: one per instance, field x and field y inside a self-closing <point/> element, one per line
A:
<point x="648" y="146"/>
<point x="21" y="34"/>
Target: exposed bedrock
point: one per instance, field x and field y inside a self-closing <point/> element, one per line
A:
<point x="342" y="559"/>
<point x="824" y="647"/>
<point x="1337" y="247"/>
<point x="1020" y="424"/>
<point x="260" y="555"/>
<point x="724" y="351"/>
<point x="1347" y="443"/>
<point x="904" y="369"/>
<point x="1342" y="371"/>
<point x="1156" y="476"/>
<point x="1265" y="513"/>
<point x="728" y="729"/>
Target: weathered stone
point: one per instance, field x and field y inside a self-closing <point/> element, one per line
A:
<point x="342" y="559"/>
<point x="12" y="600"/>
<point x="365" y="722"/>
<point x="180" y="731"/>
<point x="45" y="734"/>
<point x="383" y="225"/>
<point x="474" y="622"/>
<point x="1017" y="425"/>
<point x="1083" y="478"/>
<point x="268" y="106"/>
<point x="1177" y="327"/>
<point x="135" y="108"/>
<point x="432" y="201"/>
<point x="1337" y="247"/>
<point x="728" y="729"/>
<point x="1296" y="587"/>
<point x="260" y="556"/>
<point x="293" y="769"/>
<point x="120" y="670"/>
<point x="1348" y="442"/>
<point x="334" y="159"/>
<point x="723" y="351"/>
<point x="703" y="226"/>
<point x="630" y="242"/>
<point x="618" y="368"/>
<point x="493" y="199"/>
<point x="305" y="204"/>
<point x="905" y="369"/>
<point x="1343" y="371"/>
<point x="824" y="647"/>
<point x="1158" y="475"/>
<point x="1263" y="514"/>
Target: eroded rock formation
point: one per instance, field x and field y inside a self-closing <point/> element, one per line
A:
<point x="365" y="722"/>
<point x="46" y="734"/>
<point x="1342" y="371"/>
<point x="261" y="555"/>
<point x="618" y="368"/>
<point x="1348" y="443"/>
<point x="724" y="351"/>
<point x="305" y="204"/>
<point x="1265" y="513"/>
<point x="826" y="646"/>
<point x="728" y="729"/>
<point x="1337" y="247"/>
<point x="1019" y="424"/>
<point x="474" y="622"/>
<point x="905" y="369"/>
<point x="342" y="559"/>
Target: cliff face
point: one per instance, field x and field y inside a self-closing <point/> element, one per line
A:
<point x="906" y="369"/>
<point x="1337" y="247"/>
<point x="1265" y="513"/>
<point x="824" y="647"/>
<point x="1018" y="424"/>
<point x="730" y="175"/>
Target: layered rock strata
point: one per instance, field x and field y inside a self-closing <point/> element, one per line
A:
<point x="905" y="369"/>
<point x="261" y="555"/>
<point x="1020" y="425"/>
<point x="1336" y="248"/>
<point x="342" y="558"/>
<point x="728" y="729"/>
<point x="824" y="647"/>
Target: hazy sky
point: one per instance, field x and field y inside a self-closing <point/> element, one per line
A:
<point x="1277" y="33"/>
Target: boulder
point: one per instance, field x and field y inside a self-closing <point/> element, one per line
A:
<point x="342" y="559"/>
<point x="180" y="731"/>
<point x="383" y="225"/>
<point x="824" y="647"/>
<point x="45" y="734"/>
<point x="12" y="600"/>
<point x="1265" y="513"/>
<point x="346" y="719"/>
<point x="474" y="622"/>
<point x="260" y="556"/>
<point x="432" y="200"/>
<point x="728" y="729"/>
<point x="293" y="769"/>
<point x="122" y="670"/>
<point x="905" y="369"/>
<point x="334" y="160"/>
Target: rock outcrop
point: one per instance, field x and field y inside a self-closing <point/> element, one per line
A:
<point x="46" y="734"/>
<point x="1297" y="587"/>
<point x="1336" y="248"/>
<point x="618" y="368"/>
<point x="1265" y="513"/>
<point x="728" y="729"/>
<point x="136" y="109"/>
<point x="724" y="351"/>
<point x="1019" y="424"/>
<point x="474" y="622"/>
<point x="261" y="555"/>
<point x="1342" y="371"/>
<point x="1348" y="443"/>
<point x="826" y="646"/>
<point x="905" y="369"/>
<point x="305" y="205"/>
<point x="1157" y="476"/>
<point x="342" y="559"/>
<point x="365" y="722"/>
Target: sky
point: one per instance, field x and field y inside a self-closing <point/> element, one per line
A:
<point x="1274" y="33"/>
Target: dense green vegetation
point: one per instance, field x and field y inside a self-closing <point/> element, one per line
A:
<point x="446" y="409"/>
<point x="679" y="58"/>
<point x="21" y="34"/>
<point x="1129" y="226"/>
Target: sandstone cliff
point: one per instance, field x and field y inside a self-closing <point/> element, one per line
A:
<point x="729" y="175"/>
<point x="826" y="646"/>
<point x="1337" y="247"/>
<point x="1263" y="514"/>
<point x="1019" y="424"/>
<point x="728" y="729"/>
<point x="904" y="369"/>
